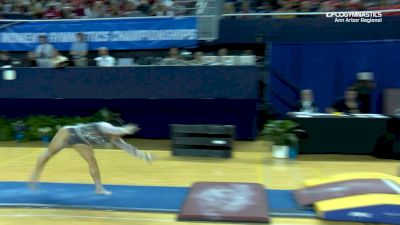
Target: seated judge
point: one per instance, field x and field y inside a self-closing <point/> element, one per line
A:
<point x="364" y="86"/>
<point x="306" y="103"/>
<point x="347" y="104"/>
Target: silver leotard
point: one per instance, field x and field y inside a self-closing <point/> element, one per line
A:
<point x="99" y="134"/>
<point x="92" y="133"/>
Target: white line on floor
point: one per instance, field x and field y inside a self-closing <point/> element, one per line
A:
<point x="84" y="217"/>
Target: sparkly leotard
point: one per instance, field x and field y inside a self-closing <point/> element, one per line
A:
<point x="92" y="133"/>
<point x="99" y="134"/>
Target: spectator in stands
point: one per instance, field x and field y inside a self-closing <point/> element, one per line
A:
<point x="52" y="12"/>
<point x="143" y="6"/>
<point x="288" y="6"/>
<point x="53" y="9"/>
<point x="36" y="8"/>
<point x="306" y="103"/>
<point x="222" y="59"/>
<point x="6" y="7"/>
<point x="77" y="8"/>
<point x="354" y="5"/>
<point x="186" y="56"/>
<point x="131" y="10"/>
<point x="169" y="7"/>
<point x="160" y="9"/>
<point x="174" y="58"/>
<point x="5" y="59"/>
<point x="181" y="8"/>
<point x="222" y="52"/>
<point x="59" y="60"/>
<point x="98" y="10"/>
<point x="114" y="10"/>
<point x="314" y="5"/>
<point x="104" y="59"/>
<point x="364" y="87"/>
<point x="68" y="12"/>
<point x="339" y="5"/>
<point x="228" y="8"/>
<point x="305" y="6"/>
<point x="20" y="9"/>
<point x="327" y="6"/>
<point x="245" y="8"/>
<point x="264" y="7"/>
<point x="87" y="11"/>
<point x="79" y="50"/>
<point x="44" y="52"/>
<point x="198" y="59"/>
<point x="348" y="104"/>
<point x="29" y="60"/>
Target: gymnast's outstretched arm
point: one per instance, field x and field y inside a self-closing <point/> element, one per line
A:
<point x="119" y="142"/>
<point x="115" y="137"/>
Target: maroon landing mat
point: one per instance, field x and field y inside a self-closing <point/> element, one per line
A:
<point x="308" y="196"/>
<point x="221" y="201"/>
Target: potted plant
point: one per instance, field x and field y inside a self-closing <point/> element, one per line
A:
<point x="282" y="134"/>
<point x="45" y="134"/>
<point x="19" y="128"/>
<point x="6" y="130"/>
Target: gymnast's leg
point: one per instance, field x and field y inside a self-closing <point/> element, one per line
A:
<point x="57" y="144"/>
<point x="87" y="153"/>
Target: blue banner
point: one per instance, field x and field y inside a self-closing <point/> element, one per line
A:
<point x="115" y="34"/>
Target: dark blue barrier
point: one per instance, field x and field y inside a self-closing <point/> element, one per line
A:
<point x="316" y="29"/>
<point x="152" y="97"/>
<point x="134" y="82"/>
<point x="153" y="115"/>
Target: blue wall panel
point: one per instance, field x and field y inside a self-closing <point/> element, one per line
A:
<point x="152" y="97"/>
<point x="234" y="82"/>
<point x="328" y="68"/>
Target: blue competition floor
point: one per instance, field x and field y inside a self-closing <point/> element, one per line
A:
<point x="125" y="198"/>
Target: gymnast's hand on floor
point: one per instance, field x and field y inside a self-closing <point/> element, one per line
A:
<point x="132" y="150"/>
<point x="143" y="155"/>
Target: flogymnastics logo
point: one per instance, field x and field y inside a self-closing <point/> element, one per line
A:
<point x="356" y="17"/>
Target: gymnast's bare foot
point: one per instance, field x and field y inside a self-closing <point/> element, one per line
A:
<point x="102" y="191"/>
<point x="32" y="184"/>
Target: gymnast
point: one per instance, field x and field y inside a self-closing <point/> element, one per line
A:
<point x="82" y="137"/>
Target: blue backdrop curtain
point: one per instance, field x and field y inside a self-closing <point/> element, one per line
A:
<point x="328" y="68"/>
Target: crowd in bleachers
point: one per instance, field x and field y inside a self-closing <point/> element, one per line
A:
<point x="46" y="55"/>
<point x="265" y="6"/>
<point x="69" y="9"/>
<point x="57" y="9"/>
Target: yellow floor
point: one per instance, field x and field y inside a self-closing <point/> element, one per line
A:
<point x="251" y="163"/>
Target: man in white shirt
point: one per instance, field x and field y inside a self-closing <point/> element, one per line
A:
<point x="104" y="59"/>
<point x="44" y="52"/>
<point x="79" y="50"/>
